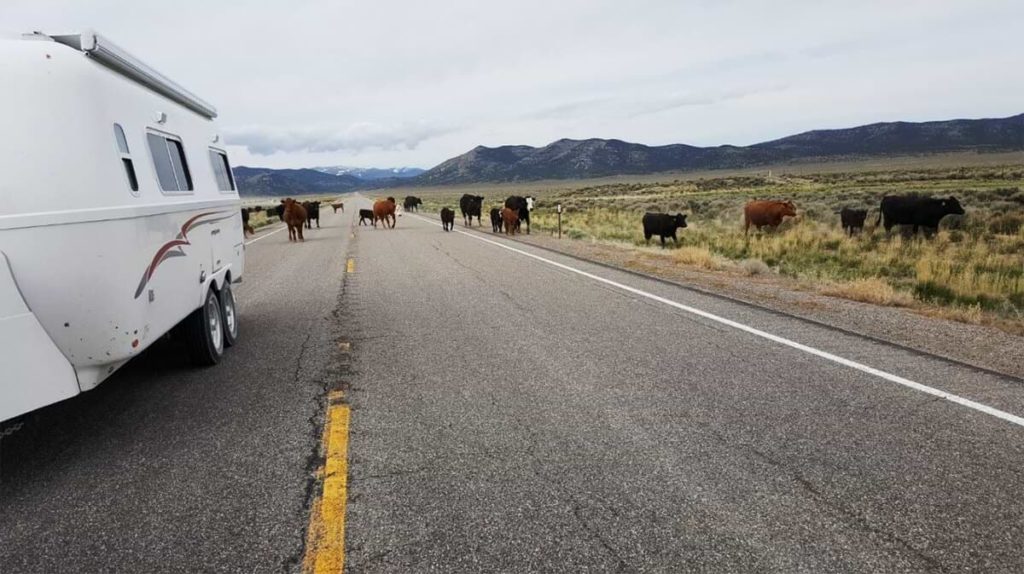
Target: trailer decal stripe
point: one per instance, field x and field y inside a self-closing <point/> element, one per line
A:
<point x="165" y="253"/>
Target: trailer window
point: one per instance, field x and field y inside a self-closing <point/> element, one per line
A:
<point x="126" y="158"/>
<point x="169" y="161"/>
<point x="222" y="170"/>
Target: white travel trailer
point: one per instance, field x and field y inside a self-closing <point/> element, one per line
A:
<point x="119" y="218"/>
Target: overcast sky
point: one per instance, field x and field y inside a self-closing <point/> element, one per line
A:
<point x="385" y="83"/>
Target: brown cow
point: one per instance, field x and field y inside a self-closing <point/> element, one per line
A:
<point x="383" y="210"/>
<point x="337" y="206"/>
<point x="294" y="216"/>
<point x="510" y="217"/>
<point x="760" y="213"/>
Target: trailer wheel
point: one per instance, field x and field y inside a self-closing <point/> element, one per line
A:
<point x="230" y="315"/>
<point x="204" y="332"/>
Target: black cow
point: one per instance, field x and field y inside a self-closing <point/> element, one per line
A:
<point x="246" y="228"/>
<point x="365" y="215"/>
<point x="853" y="219"/>
<point x="522" y="205"/>
<point x="447" y="218"/>
<point x="917" y="211"/>
<point x="412" y="203"/>
<point x="312" y="212"/>
<point x="278" y="210"/>
<point x="470" y="205"/>
<point x="664" y="225"/>
<point x="496" y="220"/>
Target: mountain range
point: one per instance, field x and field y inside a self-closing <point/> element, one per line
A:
<point x="580" y="159"/>
<point x="372" y="173"/>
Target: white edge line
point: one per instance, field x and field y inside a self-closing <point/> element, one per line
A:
<point x="1011" y="418"/>
<point x="282" y="228"/>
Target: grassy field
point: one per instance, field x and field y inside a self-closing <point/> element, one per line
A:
<point x="973" y="268"/>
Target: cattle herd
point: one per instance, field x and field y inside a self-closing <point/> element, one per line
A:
<point x="916" y="212"/>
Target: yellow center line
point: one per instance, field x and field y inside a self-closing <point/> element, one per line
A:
<point x="325" y="541"/>
<point x="350" y="267"/>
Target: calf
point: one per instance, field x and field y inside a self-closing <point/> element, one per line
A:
<point x="365" y="215"/>
<point x="917" y="211"/>
<point x="295" y="217"/>
<point x="510" y="218"/>
<point x="338" y="205"/>
<point x="495" y="220"/>
<point x="412" y="203"/>
<point x="761" y="213"/>
<point x="853" y="219"/>
<point x="522" y="205"/>
<point x="447" y="218"/>
<point x="384" y="210"/>
<point x="663" y="225"/>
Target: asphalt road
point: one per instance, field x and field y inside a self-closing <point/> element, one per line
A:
<point x="512" y="414"/>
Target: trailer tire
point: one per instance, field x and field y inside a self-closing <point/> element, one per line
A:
<point x="204" y="332"/>
<point x="229" y="315"/>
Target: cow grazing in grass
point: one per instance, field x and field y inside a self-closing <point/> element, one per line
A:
<point x="384" y="211"/>
<point x="447" y="218"/>
<point x="470" y="206"/>
<point x="663" y="225"/>
<point x="852" y="219"/>
<point x="312" y="212"/>
<point x="522" y="205"/>
<point x="917" y="211"/>
<point x="294" y="216"/>
<point x="761" y="213"/>
<point x="510" y="219"/>
<point x="495" y="220"/>
<point x="412" y="203"/>
<point x="246" y="228"/>
<point x="365" y="215"/>
<point x="338" y="205"/>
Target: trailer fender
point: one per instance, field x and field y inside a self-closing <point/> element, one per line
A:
<point x="35" y="372"/>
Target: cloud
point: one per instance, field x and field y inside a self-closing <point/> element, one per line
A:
<point x="358" y="137"/>
<point x="659" y="105"/>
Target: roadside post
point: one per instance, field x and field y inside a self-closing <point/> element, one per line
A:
<point x="559" y="210"/>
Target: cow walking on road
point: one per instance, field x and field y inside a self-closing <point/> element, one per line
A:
<point x="338" y="205"/>
<point x="663" y="225"/>
<point x="470" y="206"/>
<point x="522" y="206"/>
<point x="294" y="216"/>
<point x="761" y="213"/>
<point x="917" y="211"/>
<point x="412" y="203"/>
<point x="246" y="228"/>
<point x="384" y="211"/>
<point x="312" y="212"/>
<point x="365" y="215"/>
<point x="447" y="218"/>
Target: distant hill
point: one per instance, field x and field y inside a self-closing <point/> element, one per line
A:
<point x="578" y="159"/>
<point x="260" y="181"/>
<point x="372" y="173"/>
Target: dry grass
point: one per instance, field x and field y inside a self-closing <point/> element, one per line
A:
<point x="871" y="290"/>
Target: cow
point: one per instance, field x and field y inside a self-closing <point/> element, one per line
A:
<point x="312" y="212"/>
<point x="663" y="225"/>
<point x="294" y="215"/>
<point x="246" y="228"/>
<point x="338" y="205"/>
<point x="365" y="215"/>
<point x="522" y="205"/>
<point x="495" y="220"/>
<point x="383" y="211"/>
<point x="510" y="217"/>
<point x="852" y="219"/>
<point x="761" y="213"/>
<point x="412" y="203"/>
<point x="917" y="211"/>
<point x="447" y="218"/>
<point x="470" y="206"/>
<point x="278" y="210"/>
